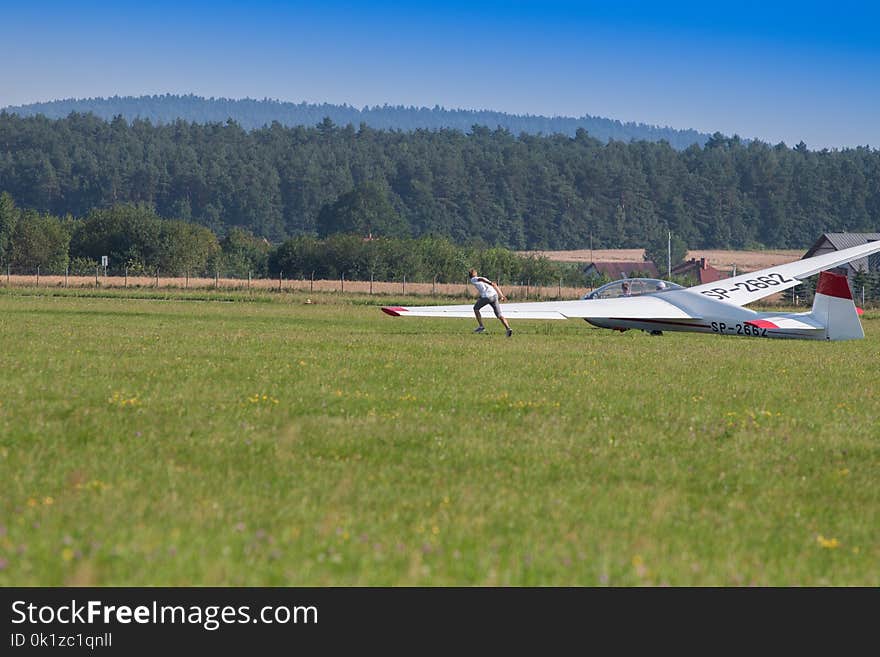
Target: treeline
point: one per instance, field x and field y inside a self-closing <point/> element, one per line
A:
<point x="138" y="242"/>
<point x="485" y="188"/>
<point x="253" y="114"/>
<point x="424" y="259"/>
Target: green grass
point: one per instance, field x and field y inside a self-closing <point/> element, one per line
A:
<point x="193" y="442"/>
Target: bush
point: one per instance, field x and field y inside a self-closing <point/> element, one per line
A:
<point x="82" y="266"/>
<point x="40" y="241"/>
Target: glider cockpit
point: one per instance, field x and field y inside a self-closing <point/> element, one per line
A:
<point x="631" y="287"/>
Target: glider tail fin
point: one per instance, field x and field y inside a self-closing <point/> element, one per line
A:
<point x="833" y="307"/>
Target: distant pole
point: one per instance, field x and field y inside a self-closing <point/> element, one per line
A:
<point x="157" y="278"/>
<point x="7" y="274"/>
<point x="559" y="291"/>
<point x="342" y="282"/>
<point x="280" y="278"/>
<point x="126" y="275"/>
<point x="371" y="282"/>
<point x="669" y="255"/>
<point x="528" y="287"/>
<point x="97" y="284"/>
<point x="66" y="273"/>
<point x="863" y="295"/>
<point x="434" y="287"/>
<point x="216" y="279"/>
<point x="312" y="282"/>
<point x="38" y="275"/>
<point x="591" y="247"/>
<point x="404" y="283"/>
<point x="186" y="280"/>
<point x="249" y="280"/>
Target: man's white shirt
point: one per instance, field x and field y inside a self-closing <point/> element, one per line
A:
<point x="483" y="287"/>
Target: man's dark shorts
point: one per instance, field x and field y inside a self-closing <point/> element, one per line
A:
<point x="483" y="301"/>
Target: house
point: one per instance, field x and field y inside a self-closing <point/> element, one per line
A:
<point x="829" y="242"/>
<point x="615" y="270"/>
<point x="700" y="270"/>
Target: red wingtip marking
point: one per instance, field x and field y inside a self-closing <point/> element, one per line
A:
<point x="762" y="323"/>
<point x="860" y="311"/>
<point x="394" y="311"/>
<point x="833" y="285"/>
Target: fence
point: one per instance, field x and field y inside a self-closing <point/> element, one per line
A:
<point x="517" y="290"/>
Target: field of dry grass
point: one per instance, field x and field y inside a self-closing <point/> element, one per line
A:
<point x="723" y="260"/>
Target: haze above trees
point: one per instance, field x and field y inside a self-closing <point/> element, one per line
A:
<point x="252" y="114"/>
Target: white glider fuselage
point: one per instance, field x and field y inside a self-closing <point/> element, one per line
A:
<point x="708" y="315"/>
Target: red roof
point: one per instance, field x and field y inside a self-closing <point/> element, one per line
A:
<point x="699" y="269"/>
<point x="624" y="269"/>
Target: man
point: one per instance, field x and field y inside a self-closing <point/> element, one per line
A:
<point x="489" y="296"/>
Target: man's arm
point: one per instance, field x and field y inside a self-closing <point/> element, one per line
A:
<point x="498" y="290"/>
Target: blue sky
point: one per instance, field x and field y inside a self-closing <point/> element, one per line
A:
<point x="776" y="71"/>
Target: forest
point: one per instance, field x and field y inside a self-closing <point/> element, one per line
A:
<point x="483" y="188"/>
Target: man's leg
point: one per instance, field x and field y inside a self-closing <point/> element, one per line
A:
<point x="497" y="308"/>
<point x="479" y="304"/>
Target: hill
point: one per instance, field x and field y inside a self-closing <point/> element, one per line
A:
<point x="254" y="114"/>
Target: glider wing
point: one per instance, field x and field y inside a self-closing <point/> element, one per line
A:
<point x="746" y="288"/>
<point x="643" y="307"/>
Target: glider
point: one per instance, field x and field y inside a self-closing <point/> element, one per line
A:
<point x="708" y="308"/>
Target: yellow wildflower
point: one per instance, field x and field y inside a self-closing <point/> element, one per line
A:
<point x="827" y="543"/>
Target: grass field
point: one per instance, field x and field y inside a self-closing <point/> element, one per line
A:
<point x="217" y="441"/>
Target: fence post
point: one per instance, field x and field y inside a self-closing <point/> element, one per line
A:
<point x="7" y="274"/>
<point x="312" y="282"/>
<point x="342" y="282"/>
<point x="280" y="278"/>
<point x="249" y="280"/>
<point x="216" y="279"/>
<point x="97" y="283"/>
<point x="559" y="290"/>
<point x="434" y="286"/>
<point x="38" y="275"/>
<point x="371" y="284"/>
<point x="157" y="278"/>
<point x="126" y="276"/>
<point x="404" y="283"/>
<point x="66" y="273"/>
